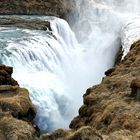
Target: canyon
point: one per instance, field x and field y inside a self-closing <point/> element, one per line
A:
<point x="110" y="109"/>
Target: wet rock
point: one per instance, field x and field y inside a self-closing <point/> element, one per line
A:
<point x="7" y="69"/>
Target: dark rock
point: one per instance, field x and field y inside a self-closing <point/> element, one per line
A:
<point x="135" y="86"/>
<point x="8" y="69"/>
<point x="88" y="91"/>
<point x="108" y="72"/>
<point x="5" y="76"/>
<point x="119" y="55"/>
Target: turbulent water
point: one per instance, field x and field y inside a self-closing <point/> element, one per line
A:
<point x="57" y="69"/>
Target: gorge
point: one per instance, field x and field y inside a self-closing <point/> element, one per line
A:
<point x="57" y="63"/>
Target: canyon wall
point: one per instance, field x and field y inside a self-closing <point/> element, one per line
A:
<point x="58" y="8"/>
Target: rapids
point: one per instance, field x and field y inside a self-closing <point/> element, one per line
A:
<point x="58" y="69"/>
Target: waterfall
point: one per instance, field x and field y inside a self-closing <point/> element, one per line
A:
<point x="41" y="63"/>
<point x="55" y="67"/>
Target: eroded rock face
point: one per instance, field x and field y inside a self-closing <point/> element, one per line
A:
<point x="110" y="107"/>
<point x="58" y="8"/>
<point x="16" y="109"/>
<point x="14" y="129"/>
<point x="5" y="76"/>
<point x="15" y="21"/>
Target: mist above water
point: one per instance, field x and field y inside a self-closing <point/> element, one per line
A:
<point x="57" y="70"/>
<point x="107" y="21"/>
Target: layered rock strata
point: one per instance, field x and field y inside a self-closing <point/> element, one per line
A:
<point x="58" y="8"/>
<point x="16" y="109"/>
<point x="16" y="21"/>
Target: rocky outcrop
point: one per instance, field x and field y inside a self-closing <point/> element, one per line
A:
<point x="16" y="109"/>
<point x="58" y="8"/>
<point x="16" y="21"/>
<point x="5" y="76"/>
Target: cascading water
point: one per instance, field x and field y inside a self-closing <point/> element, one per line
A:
<point x="41" y="62"/>
<point x="56" y="68"/>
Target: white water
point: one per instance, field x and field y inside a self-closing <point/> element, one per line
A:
<point x="43" y="63"/>
<point x="130" y="34"/>
<point x="57" y="70"/>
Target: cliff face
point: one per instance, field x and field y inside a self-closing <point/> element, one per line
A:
<point x="57" y="8"/>
<point x="16" y="109"/>
<point x="110" y="110"/>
